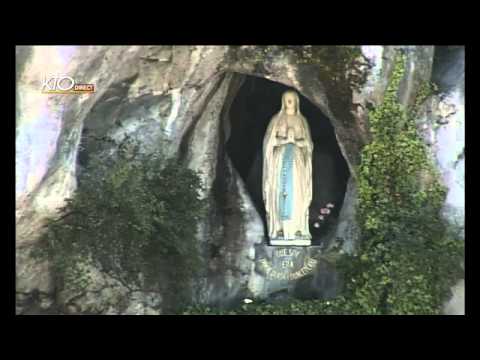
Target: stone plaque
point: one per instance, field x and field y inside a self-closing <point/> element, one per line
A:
<point x="285" y="264"/>
<point x="294" y="270"/>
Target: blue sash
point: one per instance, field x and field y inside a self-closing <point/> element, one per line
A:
<point x="286" y="183"/>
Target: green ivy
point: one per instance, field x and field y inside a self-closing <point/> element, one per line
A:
<point x="407" y="260"/>
<point x="296" y="307"/>
<point x="135" y="218"/>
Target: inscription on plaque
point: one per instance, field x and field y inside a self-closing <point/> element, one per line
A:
<point x="287" y="264"/>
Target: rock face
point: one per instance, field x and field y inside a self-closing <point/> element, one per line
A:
<point x="444" y="131"/>
<point x="183" y="96"/>
<point x="447" y="114"/>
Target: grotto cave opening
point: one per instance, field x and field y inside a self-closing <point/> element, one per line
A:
<point x="257" y="100"/>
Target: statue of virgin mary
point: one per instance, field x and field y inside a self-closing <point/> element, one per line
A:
<point x="287" y="174"/>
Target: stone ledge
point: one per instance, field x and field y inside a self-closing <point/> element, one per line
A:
<point x="290" y="242"/>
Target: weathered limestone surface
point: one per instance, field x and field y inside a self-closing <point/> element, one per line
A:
<point x="179" y="96"/>
<point x="443" y="128"/>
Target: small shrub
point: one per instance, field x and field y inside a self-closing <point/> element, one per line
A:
<point x="135" y="218"/>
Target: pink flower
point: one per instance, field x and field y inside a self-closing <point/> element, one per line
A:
<point x="323" y="211"/>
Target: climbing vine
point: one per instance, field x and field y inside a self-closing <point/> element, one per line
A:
<point x="407" y="257"/>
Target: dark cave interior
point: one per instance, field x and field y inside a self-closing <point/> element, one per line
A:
<point x="256" y="102"/>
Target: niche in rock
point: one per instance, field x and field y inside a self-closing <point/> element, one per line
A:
<point x="257" y="100"/>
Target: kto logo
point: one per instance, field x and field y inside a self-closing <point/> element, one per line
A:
<point x="62" y="84"/>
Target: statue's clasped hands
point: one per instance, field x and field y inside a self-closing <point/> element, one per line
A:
<point x="290" y="136"/>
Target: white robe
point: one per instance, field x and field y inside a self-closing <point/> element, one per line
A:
<point x="273" y="151"/>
